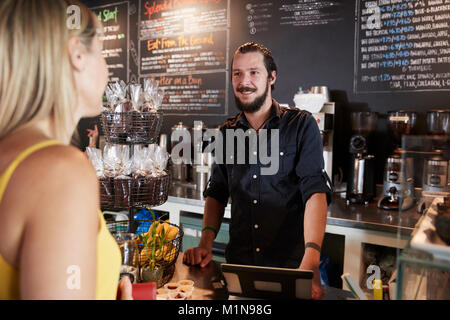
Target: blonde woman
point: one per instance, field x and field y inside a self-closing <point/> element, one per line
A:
<point x="54" y="243"/>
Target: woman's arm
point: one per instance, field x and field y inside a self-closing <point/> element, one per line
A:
<point x="58" y="253"/>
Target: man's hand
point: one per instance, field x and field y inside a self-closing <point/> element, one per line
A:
<point x="311" y="261"/>
<point x="195" y="256"/>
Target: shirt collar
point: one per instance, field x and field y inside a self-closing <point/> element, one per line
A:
<point x="275" y="112"/>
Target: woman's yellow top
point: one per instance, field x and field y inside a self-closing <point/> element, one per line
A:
<point x="108" y="253"/>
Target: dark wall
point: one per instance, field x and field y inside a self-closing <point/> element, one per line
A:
<point x="307" y="56"/>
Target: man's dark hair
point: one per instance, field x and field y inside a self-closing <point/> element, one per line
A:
<point x="269" y="62"/>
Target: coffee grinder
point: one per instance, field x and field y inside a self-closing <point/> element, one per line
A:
<point x="361" y="181"/>
<point x="398" y="179"/>
<point x="398" y="183"/>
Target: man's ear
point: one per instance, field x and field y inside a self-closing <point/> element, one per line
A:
<point x="273" y="77"/>
<point x="76" y="54"/>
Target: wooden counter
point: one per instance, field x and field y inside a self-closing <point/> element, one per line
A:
<point x="206" y="280"/>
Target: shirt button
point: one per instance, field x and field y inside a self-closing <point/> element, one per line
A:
<point x="255" y="201"/>
<point x="281" y="153"/>
<point x="258" y="250"/>
<point x="256" y="226"/>
<point x="255" y="176"/>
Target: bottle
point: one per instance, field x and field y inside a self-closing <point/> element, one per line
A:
<point x="377" y="290"/>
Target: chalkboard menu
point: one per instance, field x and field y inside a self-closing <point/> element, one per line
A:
<point x="402" y="46"/>
<point x="184" y="45"/>
<point x="115" y="20"/>
<point x="273" y="15"/>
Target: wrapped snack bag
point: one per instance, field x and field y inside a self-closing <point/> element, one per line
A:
<point x="161" y="185"/>
<point x="118" y="165"/>
<point x="135" y="96"/>
<point x="111" y="99"/>
<point x="150" y="87"/>
<point x="117" y="123"/>
<point x="151" y="181"/>
<point x="122" y="191"/>
<point x="123" y="103"/>
<point x="105" y="178"/>
<point x="141" y="187"/>
<point x="117" y="158"/>
<point x="96" y="158"/>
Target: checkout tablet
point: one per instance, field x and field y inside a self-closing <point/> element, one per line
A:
<point x="267" y="283"/>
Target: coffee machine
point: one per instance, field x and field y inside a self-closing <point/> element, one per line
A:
<point x="398" y="183"/>
<point x="398" y="179"/>
<point x="361" y="181"/>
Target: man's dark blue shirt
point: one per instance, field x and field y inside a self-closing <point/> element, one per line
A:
<point x="267" y="211"/>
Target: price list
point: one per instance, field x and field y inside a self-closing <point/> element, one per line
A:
<point x="115" y="20"/>
<point x="193" y="94"/>
<point x="184" y="45"/>
<point x="310" y="13"/>
<point x="403" y="46"/>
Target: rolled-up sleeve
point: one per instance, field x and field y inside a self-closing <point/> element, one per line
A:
<point x="310" y="167"/>
<point x="217" y="187"/>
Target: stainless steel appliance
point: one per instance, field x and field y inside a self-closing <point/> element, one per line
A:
<point x="438" y="122"/>
<point x="401" y="122"/>
<point x="361" y="180"/>
<point x="325" y="122"/>
<point x="435" y="174"/>
<point x="398" y="183"/>
<point x="180" y="171"/>
<point x="202" y="172"/>
<point x="203" y="159"/>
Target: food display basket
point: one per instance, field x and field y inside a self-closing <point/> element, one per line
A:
<point x="131" y="127"/>
<point x="128" y="192"/>
<point x="169" y="252"/>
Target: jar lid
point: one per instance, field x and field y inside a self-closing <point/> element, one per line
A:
<point x="179" y="126"/>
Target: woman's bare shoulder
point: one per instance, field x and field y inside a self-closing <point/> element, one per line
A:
<point x="55" y="176"/>
<point x="59" y="160"/>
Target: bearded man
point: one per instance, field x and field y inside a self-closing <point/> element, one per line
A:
<point x="277" y="220"/>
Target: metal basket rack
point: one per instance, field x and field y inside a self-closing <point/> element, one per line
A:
<point x="134" y="192"/>
<point x="131" y="127"/>
<point x="169" y="253"/>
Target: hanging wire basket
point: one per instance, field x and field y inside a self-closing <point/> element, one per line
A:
<point x="166" y="256"/>
<point x="132" y="127"/>
<point x="122" y="193"/>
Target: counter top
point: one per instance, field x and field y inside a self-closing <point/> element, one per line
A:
<point x="207" y="282"/>
<point x="367" y="217"/>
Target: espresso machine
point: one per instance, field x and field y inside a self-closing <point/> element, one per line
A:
<point x="398" y="178"/>
<point x="361" y="187"/>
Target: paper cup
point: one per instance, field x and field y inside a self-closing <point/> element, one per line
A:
<point x="172" y="286"/>
<point x="188" y="283"/>
<point x="177" y="296"/>
<point x="186" y="290"/>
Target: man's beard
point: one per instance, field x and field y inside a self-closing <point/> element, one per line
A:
<point x="254" y="106"/>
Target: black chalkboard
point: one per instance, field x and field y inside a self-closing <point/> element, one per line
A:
<point x="116" y="45"/>
<point x="402" y="46"/>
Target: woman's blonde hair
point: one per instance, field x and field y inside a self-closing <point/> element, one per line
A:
<point x="36" y="77"/>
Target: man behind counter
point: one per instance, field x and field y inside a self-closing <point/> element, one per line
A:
<point x="276" y="220"/>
